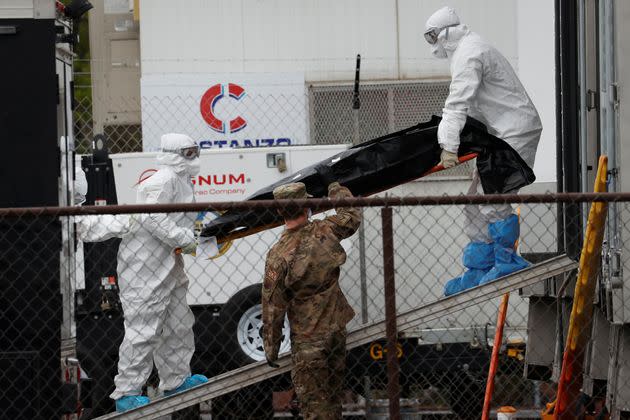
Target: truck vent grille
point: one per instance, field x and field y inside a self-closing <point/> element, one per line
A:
<point x="385" y="108"/>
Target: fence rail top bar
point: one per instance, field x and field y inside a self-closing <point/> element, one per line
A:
<point x="257" y="372"/>
<point x="318" y="204"/>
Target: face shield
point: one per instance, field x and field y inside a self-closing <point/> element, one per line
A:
<point x="188" y="153"/>
<point x="431" y="35"/>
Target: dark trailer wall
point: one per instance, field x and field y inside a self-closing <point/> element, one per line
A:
<point x="30" y="298"/>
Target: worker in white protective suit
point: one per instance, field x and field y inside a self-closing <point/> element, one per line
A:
<point x="152" y="282"/>
<point x="485" y="87"/>
<point x="96" y="228"/>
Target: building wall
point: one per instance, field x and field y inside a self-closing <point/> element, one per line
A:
<point x="27" y="9"/>
<point x="536" y="69"/>
<point x="319" y="37"/>
<point x="114" y="65"/>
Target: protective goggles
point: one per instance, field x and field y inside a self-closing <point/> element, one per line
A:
<point x="186" y="152"/>
<point x="431" y="35"/>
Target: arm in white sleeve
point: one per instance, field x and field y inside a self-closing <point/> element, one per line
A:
<point x="102" y="227"/>
<point x="466" y="76"/>
<point x="161" y="225"/>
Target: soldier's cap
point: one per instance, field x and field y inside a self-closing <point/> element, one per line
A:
<point x="295" y="190"/>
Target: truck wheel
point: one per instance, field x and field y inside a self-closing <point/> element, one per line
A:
<point x="241" y="322"/>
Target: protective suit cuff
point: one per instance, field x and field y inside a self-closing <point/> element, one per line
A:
<point x="449" y="147"/>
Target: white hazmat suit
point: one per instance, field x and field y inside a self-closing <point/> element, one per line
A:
<point x="152" y="282"/>
<point x="100" y="227"/>
<point x="80" y="186"/>
<point x="485" y="87"/>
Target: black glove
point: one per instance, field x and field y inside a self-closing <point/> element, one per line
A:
<point x="272" y="364"/>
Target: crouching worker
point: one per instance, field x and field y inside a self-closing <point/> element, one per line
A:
<point x="302" y="280"/>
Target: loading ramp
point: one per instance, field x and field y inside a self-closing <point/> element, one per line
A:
<point x="259" y="371"/>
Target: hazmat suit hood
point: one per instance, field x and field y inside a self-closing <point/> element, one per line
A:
<point x="451" y="31"/>
<point x="441" y="18"/>
<point x="450" y="40"/>
<point x="169" y="144"/>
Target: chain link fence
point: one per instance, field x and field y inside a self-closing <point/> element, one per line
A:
<point x="118" y="303"/>
<point x="323" y="116"/>
<point x="209" y="321"/>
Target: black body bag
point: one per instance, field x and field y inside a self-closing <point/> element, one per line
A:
<point x="383" y="163"/>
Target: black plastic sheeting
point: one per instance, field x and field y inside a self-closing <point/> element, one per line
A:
<point x="384" y="163"/>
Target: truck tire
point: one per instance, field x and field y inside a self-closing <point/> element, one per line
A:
<point x="241" y="321"/>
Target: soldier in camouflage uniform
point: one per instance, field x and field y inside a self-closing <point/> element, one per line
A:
<point x="302" y="280"/>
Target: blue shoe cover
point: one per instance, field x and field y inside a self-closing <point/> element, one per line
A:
<point x="129" y="402"/>
<point x="478" y="255"/>
<point x="507" y="262"/>
<point x="504" y="233"/>
<point x="478" y="258"/>
<point x="190" y="382"/>
<point x="453" y="286"/>
<point x="470" y="279"/>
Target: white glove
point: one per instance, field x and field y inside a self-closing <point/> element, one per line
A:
<point x="191" y="248"/>
<point x="448" y="159"/>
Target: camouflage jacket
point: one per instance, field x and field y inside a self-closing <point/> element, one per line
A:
<point x="302" y="278"/>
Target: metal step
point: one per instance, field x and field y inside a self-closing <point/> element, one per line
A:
<point x="257" y="372"/>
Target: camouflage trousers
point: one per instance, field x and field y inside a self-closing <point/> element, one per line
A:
<point x="318" y="375"/>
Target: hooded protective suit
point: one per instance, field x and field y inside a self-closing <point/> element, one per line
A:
<point x="485" y="87"/>
<point x="152" y="282"/>
<point x="99" y="227"/>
